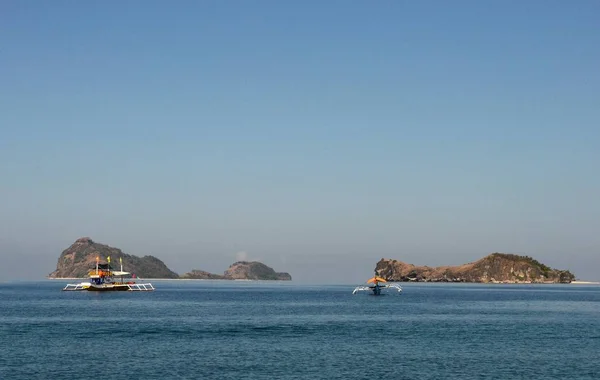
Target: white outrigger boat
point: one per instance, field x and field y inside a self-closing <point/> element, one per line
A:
<point x="104" y="278"/>
<point x="376" y="285"/>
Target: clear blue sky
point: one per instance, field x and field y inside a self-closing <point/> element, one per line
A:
<point x="315" y="136"/>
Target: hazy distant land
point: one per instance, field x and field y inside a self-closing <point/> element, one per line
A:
<point x="80" y="257"/>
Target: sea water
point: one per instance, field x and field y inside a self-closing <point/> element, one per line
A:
<point x="280" y="330"/>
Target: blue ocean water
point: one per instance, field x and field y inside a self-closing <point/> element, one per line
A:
<point x="253" y="330"/>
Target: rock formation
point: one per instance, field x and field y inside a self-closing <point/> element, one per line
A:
<point x="80" y="257"/>
<point x="197" y="274"/>
<point x="497" y="267"/>
<point x="254" y="271"/>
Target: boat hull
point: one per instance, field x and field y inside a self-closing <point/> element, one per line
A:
<point x="108" y="288"/>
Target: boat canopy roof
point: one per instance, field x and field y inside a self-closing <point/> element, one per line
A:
<point x="375" y="279"/>
<point x="120" y="273"/>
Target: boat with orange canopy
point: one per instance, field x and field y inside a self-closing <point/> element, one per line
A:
<point x="376" y="284"/>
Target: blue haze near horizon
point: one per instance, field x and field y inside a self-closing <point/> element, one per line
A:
<point x="317" y="138"/>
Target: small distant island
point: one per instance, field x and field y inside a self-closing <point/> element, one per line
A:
<point x="80" y="257"/>
<point x="241" y="270"/>
<point x="494" y="268"/>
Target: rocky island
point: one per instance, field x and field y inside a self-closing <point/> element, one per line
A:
<point x="494" y="268"/>
<point x="197" y="274"/>
<point x="241" y="270"/>
<point x="254" y="271"/>
<point x="80" y="257"/>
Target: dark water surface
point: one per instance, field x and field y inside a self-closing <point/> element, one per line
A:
<point x="250" y="330"/>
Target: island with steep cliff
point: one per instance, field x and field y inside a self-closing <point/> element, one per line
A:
<point x="80" y="257"/>
<point x="494" y="268"/>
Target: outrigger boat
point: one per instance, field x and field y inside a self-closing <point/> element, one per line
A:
<point x="102" y="279"/>
<point x="377" y="284"/>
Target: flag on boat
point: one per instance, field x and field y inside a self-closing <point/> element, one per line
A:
<point x="108" y="259"/>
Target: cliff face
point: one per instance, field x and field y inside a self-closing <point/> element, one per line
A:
<point x="244" y="270"/>
<point x="80" y="257"/>
<point x="497" y="267"/>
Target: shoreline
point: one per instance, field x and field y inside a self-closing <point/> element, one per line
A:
<point x="577" y="282"/>
<point x="169" y="279"/>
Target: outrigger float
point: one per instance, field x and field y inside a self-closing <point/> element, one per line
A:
<point x="377" y="284"/>
<point x="103" y="278"/>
